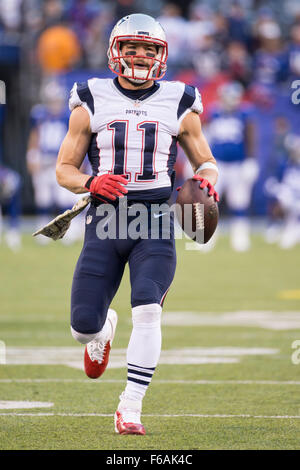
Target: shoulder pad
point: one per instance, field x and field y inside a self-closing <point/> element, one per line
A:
<point x="190" y="100"/>
<point x="81" y="94"/>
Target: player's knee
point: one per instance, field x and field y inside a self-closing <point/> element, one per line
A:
<point x="149" y="314"/>
<point x="82" y="338"/>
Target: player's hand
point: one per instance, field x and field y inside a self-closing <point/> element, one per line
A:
<point x="108" y="185"/>
<point x="206" y="184"/>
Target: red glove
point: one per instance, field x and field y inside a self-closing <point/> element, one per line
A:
<point x="108" y="185"/>
<point x="206" y="184"/>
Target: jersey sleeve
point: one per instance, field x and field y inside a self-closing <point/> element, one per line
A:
<point x="190" y="101"/>
<point x="81" y="95"/>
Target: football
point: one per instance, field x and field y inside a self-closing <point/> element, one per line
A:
<point x="196" y="211"/>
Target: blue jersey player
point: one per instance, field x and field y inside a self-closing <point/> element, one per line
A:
<point x="10" y="197"/>
<point x="49" y="124"/>
<point x="129" y="126"/>
<point x="232" y="141"/>
<point x="286" y="191"/>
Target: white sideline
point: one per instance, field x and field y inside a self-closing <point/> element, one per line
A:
<point x="109" y="415"/>
<point x="182" y="382"/>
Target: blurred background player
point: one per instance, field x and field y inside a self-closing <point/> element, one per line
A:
<point x="10" y="195"/>
<point x="286" y="191"/>
<point x="230" y="132"/>
<point x="10" y="200"/>
<point x="49" y="124"/>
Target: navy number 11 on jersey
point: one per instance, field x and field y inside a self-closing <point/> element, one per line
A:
<point x="148" y="132"/>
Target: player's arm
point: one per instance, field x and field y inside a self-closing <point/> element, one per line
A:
<point x="196" y="148"/>
<point x="72" y="152"/>
<point x="71" y="156"/>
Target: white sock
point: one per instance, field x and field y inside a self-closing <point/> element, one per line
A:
<point x="143" y="349"/>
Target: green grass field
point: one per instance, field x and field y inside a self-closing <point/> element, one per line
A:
<point x="226" y="379"/>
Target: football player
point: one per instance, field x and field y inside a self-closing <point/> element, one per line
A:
<point x="286" y="191"/>
<point x="232" y="140"/>
<point x="129" y="126"/>
<point x="49" y="124"/>
<point x="10" y="198"/>
<point x="10" y="192"/>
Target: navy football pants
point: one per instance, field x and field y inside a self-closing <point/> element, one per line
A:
<point x="100" y="268"/>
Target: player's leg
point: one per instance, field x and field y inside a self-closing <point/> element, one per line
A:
<point x="98" y="345"/>
<point x="290" y="235"/>
<point x="96" y="279"/>
<point x="291" y="232"/>
<point x="13" y="235"/>
<point x="11" y="192"/>
<point x="152" y="267"/>
<point x="238" y="192"/>
<point x="41" y="181"/>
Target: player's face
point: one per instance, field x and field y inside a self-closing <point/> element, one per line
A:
<point x="141" y="50"/>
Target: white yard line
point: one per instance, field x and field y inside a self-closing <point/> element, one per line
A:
<point x="182" y="382"/>
<point x="266" y="319"/>
<point x="72" y="356"/>
<point x="104" y="415"/>
<point x="9" y="404"/>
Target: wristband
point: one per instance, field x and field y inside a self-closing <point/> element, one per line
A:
<point x="89" y="182"/>
<point x="207" y="166"/>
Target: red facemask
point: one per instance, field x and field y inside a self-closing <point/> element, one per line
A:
<point x="157" y="66"/>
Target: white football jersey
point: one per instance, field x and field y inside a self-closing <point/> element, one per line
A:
<point x="136" y="138"/>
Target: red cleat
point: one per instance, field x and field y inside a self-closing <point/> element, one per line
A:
<point x="127" y="428"/>
<point x="96" y="352"/>
<point x="95" y="368"/>
<point x="128" y="417"/>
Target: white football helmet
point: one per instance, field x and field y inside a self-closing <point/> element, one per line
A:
<point x="51" y="90"/>
<point x="231" y="95"/>
<point x="143" y="28"/>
